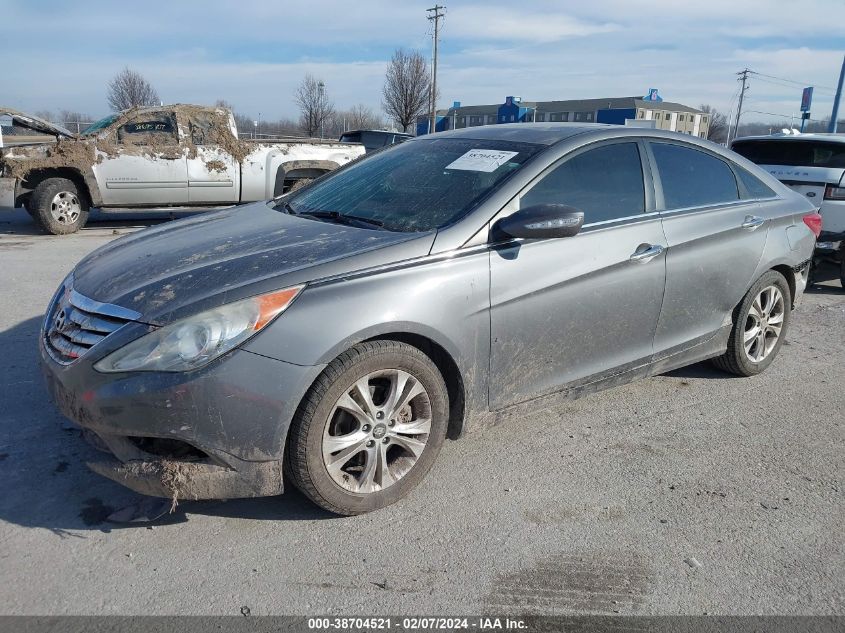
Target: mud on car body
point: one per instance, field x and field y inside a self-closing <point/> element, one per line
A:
<point x="340" y="333"/>
<point x="169" y="157"/>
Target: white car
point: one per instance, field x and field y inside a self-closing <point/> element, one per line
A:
<point x="814" y="166"/>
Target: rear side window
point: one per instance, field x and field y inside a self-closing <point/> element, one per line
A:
<point x="799" y="153"/>
<point x="605" y="183"/>
<point x="148" y="130"/>
<point x="691" y="178"/>
<point x="756" y="187"/>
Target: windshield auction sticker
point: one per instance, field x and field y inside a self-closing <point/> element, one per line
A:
<point x="481" y="160"/>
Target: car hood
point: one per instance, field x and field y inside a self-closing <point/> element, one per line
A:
<point x="191" y="265"/>
<point x="35" y="123"/>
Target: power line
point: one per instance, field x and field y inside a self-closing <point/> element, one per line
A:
<point x="785" y="116"/>
<point x="792" y="81"/>
<point x="791" y="87"/>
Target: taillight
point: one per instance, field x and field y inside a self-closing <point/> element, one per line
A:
<point x="814" y="222"/>
<point x="834" y="193"/>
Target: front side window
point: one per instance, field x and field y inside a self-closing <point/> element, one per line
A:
<point x="102" y="124"/>
<point x="692" y="178"/>
<point x="417" y="186"/>
<point x="149" y="129"/>
<point x="605" y="183"/>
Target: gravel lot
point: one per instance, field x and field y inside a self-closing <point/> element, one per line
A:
<point x="688" y="493"/>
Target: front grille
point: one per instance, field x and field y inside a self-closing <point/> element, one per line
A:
<point x="76" y="323"/>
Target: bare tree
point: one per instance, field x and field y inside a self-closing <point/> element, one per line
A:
<point x="718" y="130"/>
<point x="360" y="117"/>
<point x="407" y="87"/>
<point x="75" y="121"/>
<point x="314" y="106"/>
<point x="129" y="89"/>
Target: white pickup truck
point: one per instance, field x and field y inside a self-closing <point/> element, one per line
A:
<point x="169" y="157"/>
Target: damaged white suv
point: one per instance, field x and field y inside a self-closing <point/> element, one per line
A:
<point x="814" y="166"/>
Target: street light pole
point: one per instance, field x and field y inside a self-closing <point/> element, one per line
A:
<point x="432" y="121"/>
<point x="322" y="88"/>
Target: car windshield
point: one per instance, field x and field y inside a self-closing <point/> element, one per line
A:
<point x="417" y="186"/>
<point x="799" y="153"/>
<point x="99" y="125"/>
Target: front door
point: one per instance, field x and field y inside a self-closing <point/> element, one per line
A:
<point x="572" y="310"/>
<point x="213" y="173"/>
<point x="142" y="163"/>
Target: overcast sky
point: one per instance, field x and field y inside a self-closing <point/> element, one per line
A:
<point x="252" y="53"/>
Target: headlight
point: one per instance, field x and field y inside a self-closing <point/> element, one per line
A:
<point x="197" y="340"/>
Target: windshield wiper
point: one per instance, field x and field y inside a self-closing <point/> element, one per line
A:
<point x="289" y="209"/>
<point x="340" y="218"/>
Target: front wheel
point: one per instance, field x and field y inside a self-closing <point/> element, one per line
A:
<point x="369" y="429"/>
<point x="58" y="206"/>
<point x="759" y="327"/>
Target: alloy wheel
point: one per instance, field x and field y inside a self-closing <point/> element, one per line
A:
<point x="764" y="323"/>
<point x="376" y="431"/>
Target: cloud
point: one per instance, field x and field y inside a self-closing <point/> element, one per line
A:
<point x="255" y="53"/>
<point x="487" y="23"/>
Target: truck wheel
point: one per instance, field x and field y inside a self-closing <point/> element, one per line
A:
<point x="369" y="429"/>
<point x="760" y="326"/>
<point x="58" y="206"/>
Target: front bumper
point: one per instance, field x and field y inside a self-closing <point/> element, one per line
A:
<point x="228" y="420"/>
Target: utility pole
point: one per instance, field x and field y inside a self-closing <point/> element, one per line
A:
<point x="835" y="115"/>
<point x="743" y="77"/>
<point x="436" y="14"/>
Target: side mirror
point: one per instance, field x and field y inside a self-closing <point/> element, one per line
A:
<point x="541" y="221"/>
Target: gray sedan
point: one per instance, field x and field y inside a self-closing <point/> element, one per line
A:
<point x="333" y="338"/>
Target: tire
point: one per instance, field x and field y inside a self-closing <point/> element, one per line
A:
<point x="358" y="482"/>
<point x="842" y="265"/>
<point x="58" y="206"/>
<point x="765" y="309"/>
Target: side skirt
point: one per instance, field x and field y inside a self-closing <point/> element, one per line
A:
<point x="703" y="348"/>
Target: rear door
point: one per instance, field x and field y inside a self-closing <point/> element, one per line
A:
<point x="572" y="310"/>
<point x="142" y="162"/>
<point x="715" y="241"/>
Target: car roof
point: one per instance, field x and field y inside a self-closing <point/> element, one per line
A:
<point x="554" y="133"/>
<point x="538" y="133"/>
<point x="377" y="132"/>
<point x="814" y="136"/>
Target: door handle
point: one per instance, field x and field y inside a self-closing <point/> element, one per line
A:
<point x="751" y="222"/>
<point x="646" y="255"/>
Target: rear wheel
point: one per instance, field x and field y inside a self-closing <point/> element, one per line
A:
<point x="58" y="206"/>
<point x="759" y="328"/>
<point x="369" y="429"/>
